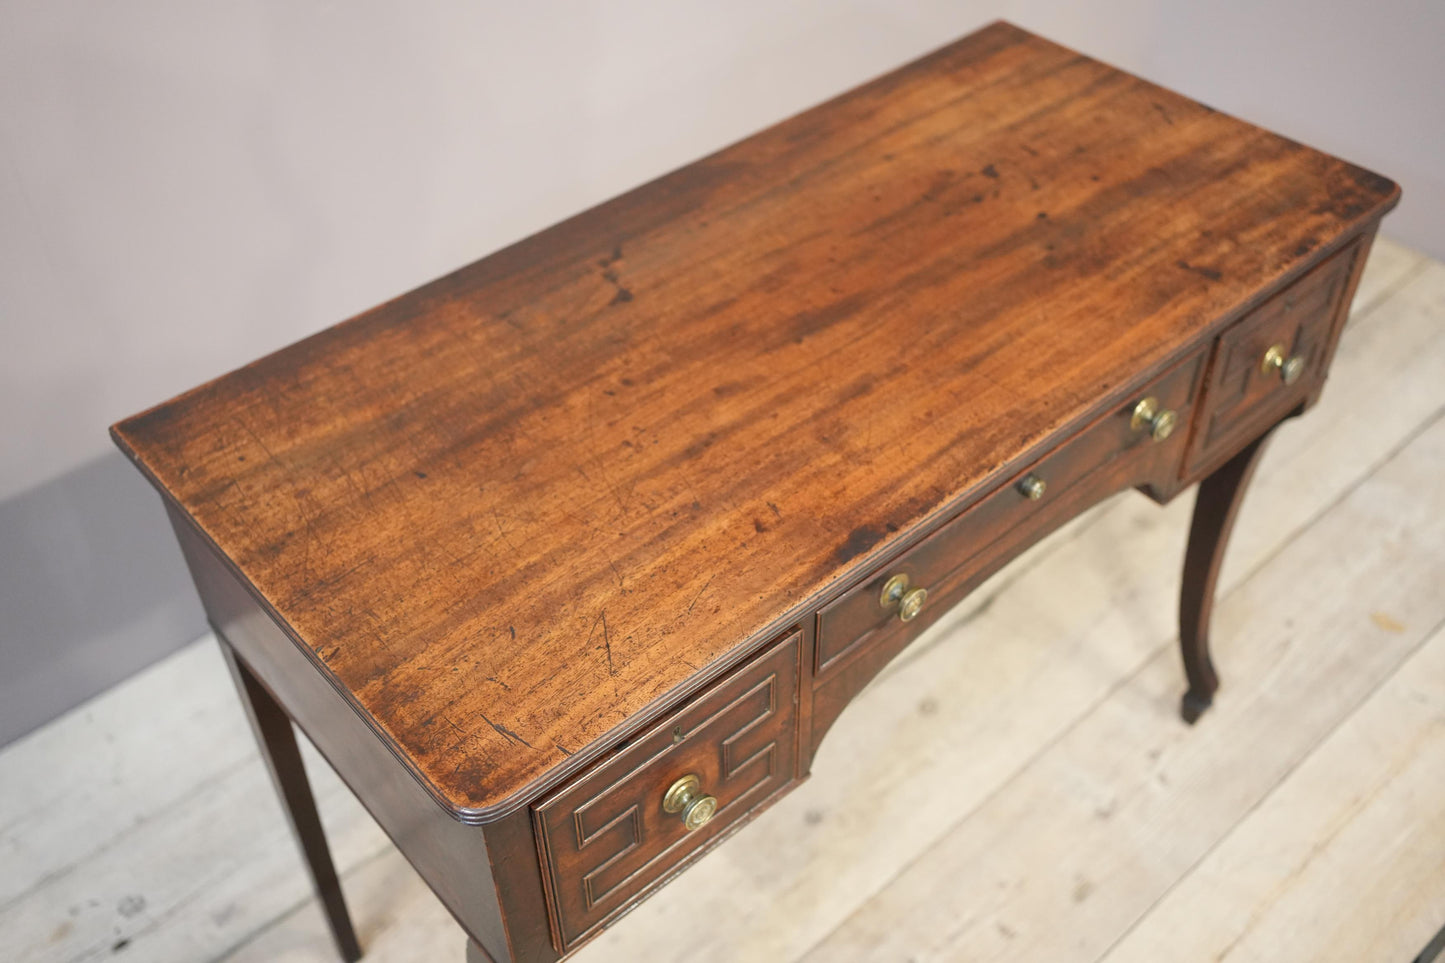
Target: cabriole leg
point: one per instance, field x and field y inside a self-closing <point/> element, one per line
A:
<point x="1215" y="508"/>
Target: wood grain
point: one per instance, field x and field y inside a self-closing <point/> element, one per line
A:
<point x="1102" y="822"/>
<point x="1343" y="861"/>
<point x="960" y="714"/>
<point x="522" y="507"/>
<point x="93" y="805"/>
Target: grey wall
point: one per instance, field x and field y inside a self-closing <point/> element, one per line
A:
<point x="186" y="186"/>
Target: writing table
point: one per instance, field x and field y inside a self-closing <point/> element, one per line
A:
<point x="567" y="561"/>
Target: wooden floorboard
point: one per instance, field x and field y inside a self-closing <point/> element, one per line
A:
<point x="1082" y="842"/>
<point x="1363" y="815"/>
<point x="152" y="825"/>
<point x="955" y="810"/>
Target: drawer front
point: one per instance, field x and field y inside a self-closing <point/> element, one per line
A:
<point x="849" y="623"/>
<point x="1244" y="393"/>
<point x="607" y="838"/>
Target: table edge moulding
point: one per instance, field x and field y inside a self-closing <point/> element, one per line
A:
<point x="568" y="560"/>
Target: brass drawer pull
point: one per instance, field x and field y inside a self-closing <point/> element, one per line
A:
<point x="1150" y="415"/>
<point x="1032" y="487"/>
<point x="1289" y="368"/>
<point x="686" y="796"/>
<point x="899" y="593"/>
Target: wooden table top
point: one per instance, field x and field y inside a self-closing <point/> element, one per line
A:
<point x="520" y="506"/>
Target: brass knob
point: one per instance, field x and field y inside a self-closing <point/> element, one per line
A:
<point x="1148" y="414"/>
<point x="686" y="796"/>
<point x="1289" y="368"/>
<point x="1032" y="487"/>
<point x="900" y="593"/>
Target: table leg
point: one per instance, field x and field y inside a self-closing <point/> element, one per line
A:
<point x="475" y="954"/>
<point x="1215" y="508"/>
<point x="283" y="758"/>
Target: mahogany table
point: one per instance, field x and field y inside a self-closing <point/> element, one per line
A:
<point x="567" y="561"/>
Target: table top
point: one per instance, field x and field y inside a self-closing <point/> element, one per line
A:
<point x="520" y="507"/>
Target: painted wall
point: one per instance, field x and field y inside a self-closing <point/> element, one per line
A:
<point x="184" y="187"/>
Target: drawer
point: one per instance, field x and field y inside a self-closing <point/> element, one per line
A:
<point x="1268" y="361"/>
<point x="858" y="616"/>
<point x="608" y="837"/>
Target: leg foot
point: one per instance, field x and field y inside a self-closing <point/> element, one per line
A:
<point x="1192" y="706"/>
<point x="1215" y="509"/>
<point x="277" y="741"/>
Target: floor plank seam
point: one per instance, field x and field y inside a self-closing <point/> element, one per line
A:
<point x="1359" y="316"/>
<point x="183" y="922"/>
<point x="1129" y="677"/>
<point x="1313" y="750"/>
<point x="299" y="906"/>
<point x="945" y="629"/>
<point x="153" y="922"/>
<point x="120" y="837"/>
<point x="1388" y="292"/>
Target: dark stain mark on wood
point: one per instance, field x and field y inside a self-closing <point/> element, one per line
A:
<point x="613" y="258"/>
<point x="727" y="389"/>
<point x="990" y="171"/>
<point x="859" y="541"/>
<point x="1203" y="272"/>
<point x="806" y="323"/>
<point x="492" y="678"/>
<point x="623" y="294"/>
<point x="758" y="526"/>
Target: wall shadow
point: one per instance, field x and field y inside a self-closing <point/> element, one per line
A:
<point x="92" y="588"/>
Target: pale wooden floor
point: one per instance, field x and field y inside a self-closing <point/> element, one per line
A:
<point x="1016" y="787"/>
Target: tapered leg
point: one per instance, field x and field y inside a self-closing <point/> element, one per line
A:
<point x="1215" y="508"/>
<point x="283" y="758"/>
<point x="475" y="954"/>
